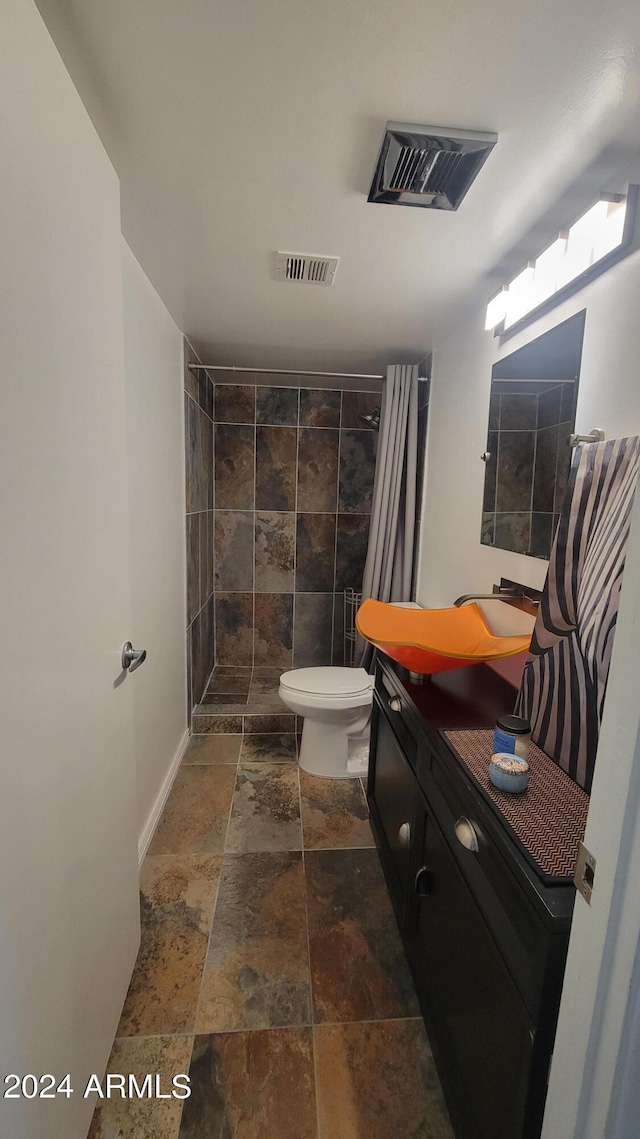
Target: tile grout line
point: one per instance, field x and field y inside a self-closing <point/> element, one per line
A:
<point x="306" y="918"/>
<point x="295" y="537"/>
<point x="206" y="953"/>
<point x="215" y="903"/>
<point x="314" y="427"/>
<point x="335" y="537"/>
<point x="254" y="524"/>
<point x="213" y="520"/>
<point x="182" y="1102"/>
<point x="245" y="510"/>
<point x="275" y="1027"/>
<point x="364" y="793"/>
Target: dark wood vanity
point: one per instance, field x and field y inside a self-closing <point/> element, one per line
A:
<point x="485" y="931"/>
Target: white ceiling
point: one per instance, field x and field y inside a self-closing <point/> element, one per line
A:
<point x="239" y="127"/>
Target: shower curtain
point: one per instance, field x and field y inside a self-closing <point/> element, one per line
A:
<point x="565" y="678"/>
<point x="389" y="564"/>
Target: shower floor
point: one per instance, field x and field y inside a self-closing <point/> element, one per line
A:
<point x="245" y="688"/>
<point x="239" y="699"/>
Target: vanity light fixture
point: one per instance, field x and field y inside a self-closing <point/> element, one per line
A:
<point x="589" y="246"/>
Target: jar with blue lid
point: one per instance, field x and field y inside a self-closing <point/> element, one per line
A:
<point x="511" y="736"/>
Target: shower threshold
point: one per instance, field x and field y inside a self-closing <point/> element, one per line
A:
<point x="244" y="699"/>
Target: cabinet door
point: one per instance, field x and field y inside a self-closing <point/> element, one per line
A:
<point x="393" y="790"/>
<point x="478" y="1019"/>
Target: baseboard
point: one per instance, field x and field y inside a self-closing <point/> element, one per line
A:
<point x="162" y="796"/>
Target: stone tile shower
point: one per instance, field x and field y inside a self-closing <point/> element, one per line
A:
<point x="286" y="528"/>
<point x="199" y="489"/>
<point x="294" y="474"/>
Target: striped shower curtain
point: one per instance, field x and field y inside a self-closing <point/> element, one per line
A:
<point x="565" y="678"/>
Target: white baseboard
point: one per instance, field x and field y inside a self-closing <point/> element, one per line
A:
<point x="161" y="798"/>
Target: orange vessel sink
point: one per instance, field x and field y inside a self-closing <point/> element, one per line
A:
<point x="434" y="640"/>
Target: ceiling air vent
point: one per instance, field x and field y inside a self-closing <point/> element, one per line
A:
<point x="306" y="268"/>
<point x="431" y="167"/>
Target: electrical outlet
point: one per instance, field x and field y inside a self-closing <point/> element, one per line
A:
<point x="585" y="873"/>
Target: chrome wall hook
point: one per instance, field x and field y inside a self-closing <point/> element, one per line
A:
<point x="595" y="436"/>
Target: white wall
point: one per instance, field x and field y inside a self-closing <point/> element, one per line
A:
<point x="69" y="912"/>
<point x="155" y="449"/>
<point x="452" y="560"/>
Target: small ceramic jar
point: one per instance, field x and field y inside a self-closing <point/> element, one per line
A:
<point x="509" y="773"/>
<point x="512" y="735"/>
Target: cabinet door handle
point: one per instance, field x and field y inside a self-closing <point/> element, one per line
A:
<point x="466" y="834"/>
<point x="423" y="883"/>
<point x="404" y="835"/>
<point x="395" y="703"/>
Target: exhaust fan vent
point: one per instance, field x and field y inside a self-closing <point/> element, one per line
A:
<point x="431" y="167"/>
<point x="306" y="268"/>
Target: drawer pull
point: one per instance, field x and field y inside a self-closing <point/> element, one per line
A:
<point x="395" y="703"/>
<point x="423" y="883"/>
<point x="404" y="835"/>
<point x="466" y="834"/>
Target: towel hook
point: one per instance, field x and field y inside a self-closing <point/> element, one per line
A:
<point x="595" y="436"/>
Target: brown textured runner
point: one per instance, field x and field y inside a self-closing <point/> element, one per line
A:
<point x="548" y="819"/>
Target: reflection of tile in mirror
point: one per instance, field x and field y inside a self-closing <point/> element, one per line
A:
<point x="518" y="412"/>
<point x="494" y="412"/>
<point x="531" y="413"/>
<point x="515" y="470"/>
<point x="563" y="466"/>
<point x="487" y="533"/>
<point x="541" y="528"/>
<point x="512" y="531"/>
<point x="545" y="473"/>
<point x="549" y="404"/>
<point x="491" y="466"/>
<point x="568" y="404"/>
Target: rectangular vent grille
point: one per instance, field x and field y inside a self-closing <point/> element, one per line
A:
<point x="306" y="268"/>
<point x="428" y="166"/>
<point x="425" y="171"/>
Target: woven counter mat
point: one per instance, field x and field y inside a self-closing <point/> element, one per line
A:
<point x="548" y="819"/>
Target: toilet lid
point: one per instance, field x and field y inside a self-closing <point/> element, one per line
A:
<point x="329" y="681"/>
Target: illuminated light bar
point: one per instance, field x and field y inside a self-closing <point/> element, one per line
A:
<point x="596" y="234"/>
<point x="496" y="309"/>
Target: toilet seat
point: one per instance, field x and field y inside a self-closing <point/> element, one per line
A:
<point x="332" y="681"/>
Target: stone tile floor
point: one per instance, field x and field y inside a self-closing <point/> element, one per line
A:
<point x="270" y="967"/>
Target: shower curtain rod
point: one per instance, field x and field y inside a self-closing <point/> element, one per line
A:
<point x="286" y="372"/>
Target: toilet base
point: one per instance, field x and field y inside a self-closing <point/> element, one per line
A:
<point x="329" y="751"/>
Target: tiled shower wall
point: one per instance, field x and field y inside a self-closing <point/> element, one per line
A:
<point x="294" y="472"/>
<point x="198" y="425"/>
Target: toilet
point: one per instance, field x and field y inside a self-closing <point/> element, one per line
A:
<point x="336" y="704"/>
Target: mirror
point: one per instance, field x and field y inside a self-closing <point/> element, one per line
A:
<point x="527" y="460"/>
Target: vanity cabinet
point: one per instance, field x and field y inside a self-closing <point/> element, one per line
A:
<point x="474" y="1006"/>
<point x="485" y="939"/>
<point x="394" y="790"/>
